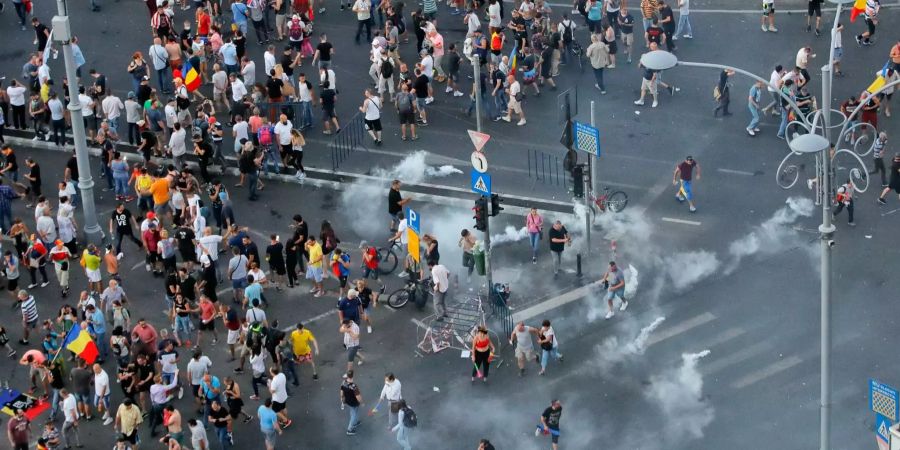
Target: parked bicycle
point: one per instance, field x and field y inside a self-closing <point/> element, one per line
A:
<point x="614" y="201"/>
<point x="416" y="291"/>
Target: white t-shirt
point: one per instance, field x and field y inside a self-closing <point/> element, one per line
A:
<point x="303" y="92"/>
<point x="238" y="90"/>
<point x="494" y="15"/>
<point x="171" y="115"/>
<point x="283" y="131"/>
<point x="211" y="244"/>
<point x="269" y="59"/>
<point x="441" y="277"/>
<point x="258" y="363"/>
<point x="16" y="95"/>
<point x="373" y="108"/>
<point x="278" y="388"/>
<point x="249" y="73"/>
<point x="101" y="383"/>
<point x="176" y="142"/>
<point x="197" y="368"/>
<point x="112" y="107"/>
<point x="241" y="130"/>
<point x="87" y="105"/>
<point x="220" y="82"/>
<point x="514" y="89"/>
<point x="428" y="66"/>
<point x="774" y="80"/>
<point x="349" y="340"/>
<point x="473" y="23"/>
<point x="363" y="9"/>
<point x="401" y="228"/>
<point x="328" y="75"/>
<point x="70" y="408"/>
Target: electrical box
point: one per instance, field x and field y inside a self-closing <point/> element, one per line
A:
<point x="62" y="29"/>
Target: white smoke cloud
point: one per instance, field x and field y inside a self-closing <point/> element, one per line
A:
<point x="772" y="235"/>
<point x="679" y="394"/>
<point x="685" y="269"/>
<point x="510" y="234"/>
<point x="632" y="281"/>
<point x="442" y="171"/>
<point x="610" y="352"/>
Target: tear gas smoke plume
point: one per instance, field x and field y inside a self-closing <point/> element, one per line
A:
<point x="679" y="393"/>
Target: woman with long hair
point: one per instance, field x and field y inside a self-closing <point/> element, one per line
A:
<point x="481" y="351"/>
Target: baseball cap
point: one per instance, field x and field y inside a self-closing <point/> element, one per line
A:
<point x="151" y="215"/>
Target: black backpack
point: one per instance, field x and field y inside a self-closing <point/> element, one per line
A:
<point x="387" y="68"/>
<point x="409" y="418"/>
<point x="568" y="32"/>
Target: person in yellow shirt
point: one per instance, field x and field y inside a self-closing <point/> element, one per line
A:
<point x="300" y="339"/>
<point x="314" y="268"/>
<point x="143" y="181"/>
<point x="90" y="260"/>
<point x="160" y="192"/>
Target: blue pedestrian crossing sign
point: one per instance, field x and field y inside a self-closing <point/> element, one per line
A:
<point x="481" y="183"/>
<point x="413" y="220"/>
<point x="882" y="426"/>
<point x="884" y="400"/>
<point x="587" y="138"/>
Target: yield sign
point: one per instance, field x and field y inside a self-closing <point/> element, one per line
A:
<point x="478" y="139"/>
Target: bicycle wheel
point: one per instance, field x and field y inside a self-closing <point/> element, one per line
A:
<point x="387" y="261"/>
<point x="398" y="298"/>
<point x="617" y="201"/>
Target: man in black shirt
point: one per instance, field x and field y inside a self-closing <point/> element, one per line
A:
<point x="395" y="204"/>
<point x="550" y="422"/>
<point x="294" y="248"/>
<point x="654" y="34"/>
<point x="41" y="32"/>
<point x="99" y="87"/>
<point x="184" y="235"/>
<point x="219" y="417"/>
<point x="148" y="143"/>
<point x="667" y="20"/>
<point x="327" y="98"/>
<point x="187" y="285"/>
<point x="121" y="223"/>
<point x="323" y="52"/>
<point x="34" y="179"/>
<point x="420" y="88"/>
<point x="351" y="397"/>
<point x="275" y="256"/>
<point x="274" y="86"/>
<point x="251" y="251"/>
<point x="559" y="237"/>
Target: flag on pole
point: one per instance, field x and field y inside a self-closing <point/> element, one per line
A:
<point x="79" y="342"/>
<point x="191" y="77"/>
<point x="859" y="7"/>
<point x="48" y="48"/>
<point x="880" y="79"/>
<point x="512" y="57"/>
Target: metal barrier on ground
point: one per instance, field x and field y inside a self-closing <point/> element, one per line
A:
<point x="350" y="138"/>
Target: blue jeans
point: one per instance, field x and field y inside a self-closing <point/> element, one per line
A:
<point x="647" y="23"/>
<point x="403" y="438"/>
<point x="684" y="24"/>
<point x="102" y="344"/>
<point x="183" y="327"/>
<point x="107" y="173"/>
<point x="113" y="124"/>
<point x="54" y="400"/>
<point x="162" y="75"/>
<point x="500" y="102"/>
<point x="754" y="113"/>
<point x="535" y="243"/>
<point x="545" y="356"/>
<point x="222" y="432"/>
<point x="784" y="122"/>
<point x="121" y="186"/>
<point x="253" y="178"/>
<point x="598" y="78"/>
<point x="306" y="115"/>
<point x="5" y="218"/>
<point x="272" y="158"/>
<point x="354" y="418"/>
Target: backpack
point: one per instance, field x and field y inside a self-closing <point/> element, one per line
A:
<point x="409" y="418"/>
<point x="568" y="32"/>
<point x="387" y="67"/>
<point x="265" y="136"/>
<point x="296" y="31"/>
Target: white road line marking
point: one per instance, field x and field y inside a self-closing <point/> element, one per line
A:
<point x="679" y="328"/>
<point x="718" y="364"/>
<point x="681" y="221"/>
<point x="728" y="335"/>
<point x="766" y="372"/>
<point x="134" y="267"/>
<point x="568" y="6"/>
<point x="555" y="302"/>
<point x="736" y="172"/>
<point x="320" y="316"/>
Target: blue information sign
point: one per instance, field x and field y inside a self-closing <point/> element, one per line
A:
<point x="587" y="138"/>
<point x="481" y="182"/>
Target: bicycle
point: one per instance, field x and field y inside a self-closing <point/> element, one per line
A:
<point x="614" y="201"/>
<point x="412" y="290"/>
<point x="578" y="52"/>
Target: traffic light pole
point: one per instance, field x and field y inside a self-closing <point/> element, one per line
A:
<point x="487" y="253"/>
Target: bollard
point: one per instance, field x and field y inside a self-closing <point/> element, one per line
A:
<point x="578" y="265"/>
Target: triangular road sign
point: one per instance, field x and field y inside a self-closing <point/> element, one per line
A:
<point x="478" y="139"/>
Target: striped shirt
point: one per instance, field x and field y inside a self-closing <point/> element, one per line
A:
<point x="648" y="8"/>
<point x="879" y="148"/>
<point x="872" y="7"/>
<point x="6" y="194"/>
<point x="29" y="309"/>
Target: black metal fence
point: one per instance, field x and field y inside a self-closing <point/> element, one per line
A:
<point x="547" y="168"/>
<point x="501" y="315"/>
<point x="350" y="138"/>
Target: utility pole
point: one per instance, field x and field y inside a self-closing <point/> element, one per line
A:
<point x="62" y="32"/>
<point x="476" y="67"/>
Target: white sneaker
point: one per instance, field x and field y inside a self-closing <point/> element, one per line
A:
<point x="120" y="255"/>
<point x="655" y="104"/>
<point x="773" y="29"/>
<point x="610" y="314"/>
<point x="521" y="122"/>
<point x="402" y="274"/>
<point x="460" y="94"/>
<point x="624" y="306"/>
<point x="147" y="266"/>
<point x="35" y="138"/>
<point x="429" y="100"/>
<point x="506" y="118"/>
<point x="448" y="90"/>
<point x="180" y="392"/>
<point x="369" y="328"/>
<point x="751" y="132"/>
<point x="639" y="102"/>
<point x="359" y="363"/>
<point x="107" y="421"/>
<point x="537" y="431"/>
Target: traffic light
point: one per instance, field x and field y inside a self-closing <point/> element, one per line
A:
<point x="480" y="211"/>
<point x="578" y="181"/>
<point x="495" y="204"/>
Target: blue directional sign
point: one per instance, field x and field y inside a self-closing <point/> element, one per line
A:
<point x="884" y="400"/>
<point x="882" y="427"/>
<point x="413" y="220"/>
<point x="586" y="137"/>
<point x="481" y="182"/>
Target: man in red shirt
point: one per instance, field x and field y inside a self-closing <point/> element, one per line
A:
<point x="18" y="430"/>
<point x="203" y="22"/>
<point x="151" y="239"/>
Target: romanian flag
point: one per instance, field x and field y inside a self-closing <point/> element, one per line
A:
<point x="859" y="7"/>
<point x="880" y="79"/>
<point x="191" y="77"/>
<point x="513" y="56"/>
<point x="79" y="342"/>
<point x="11" y="400"/>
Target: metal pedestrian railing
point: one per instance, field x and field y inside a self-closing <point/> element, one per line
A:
<point x="547" y="168"/>
<point x="501" y="314"/>
<point x="349" y="139"/>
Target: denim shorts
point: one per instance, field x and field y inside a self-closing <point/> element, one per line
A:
<point x="616" y="293"/>
<point x="239" y="283"/>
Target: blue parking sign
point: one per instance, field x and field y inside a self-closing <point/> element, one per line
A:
<point x="412" y="220"/>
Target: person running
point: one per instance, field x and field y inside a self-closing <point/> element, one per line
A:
<point x="559" y="239"/>
<point x="626" y="26"/>
<point x="682" y="179"/>
<point x="844" y="198"/>
<point x="300" y="339"/>
<point x="549" y="345"/>
<point x="405" y="422"/>
<point x="878" y="159"/>
<point x="522" y="337"/>
<point x="278" y="389"/>
<point x="482" y="352"/>
<point x="550" y="423"/>
<point x="871" y="15"/>
<point x="614" y="282"/>
<point x="234" y="401"/>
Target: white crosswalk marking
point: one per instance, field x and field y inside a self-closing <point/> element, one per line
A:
<point x="679" y="328"/>
<point x="730" y="359"/>
<point x="766" y="372"/>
